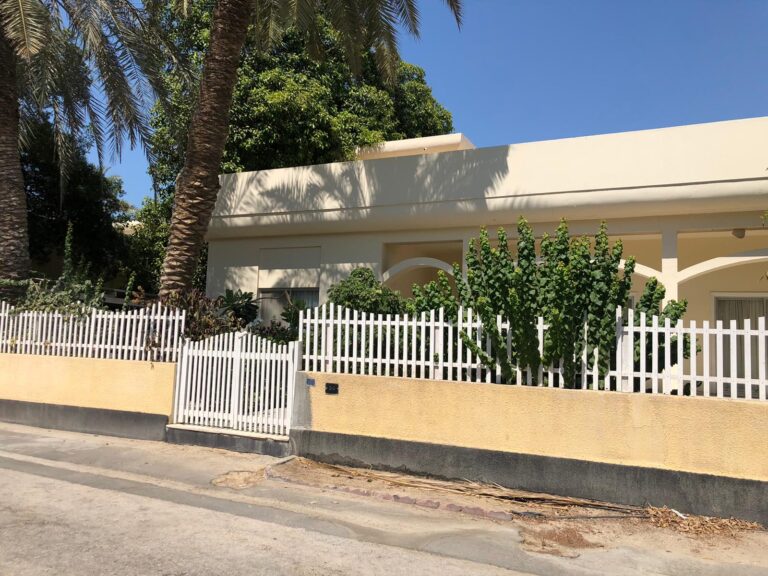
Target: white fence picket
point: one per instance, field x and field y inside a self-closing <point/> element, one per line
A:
<point x="651" y="355"/>
<point x="238" y="381"/>
<point x="149" y="334"/>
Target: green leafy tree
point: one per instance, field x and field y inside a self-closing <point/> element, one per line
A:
<point x="146" y="243"/>
<point x="87" y="199"/>
<point x="288" y="109"/>
<point x="363" y="26"/>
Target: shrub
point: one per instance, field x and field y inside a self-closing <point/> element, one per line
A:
<point x="205" y="316"/>
<point x="241" y="304"/>
<point x="275" y="331"/>
<point x="73" y="292"/>
<point x="285" y="331"/>
<point x="650" y="303"/>
<point x="568" y="284"/>
<point x="363" y="292"/>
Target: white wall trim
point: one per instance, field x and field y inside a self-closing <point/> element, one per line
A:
<point x="643" y="270"/>
<point x="721" y="263"/>
<point x="421" y="262"/>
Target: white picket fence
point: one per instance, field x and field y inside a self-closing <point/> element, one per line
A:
<point x="152" y="333"/>
<point x="724" y="362"/>
<point x="237" y="381"/>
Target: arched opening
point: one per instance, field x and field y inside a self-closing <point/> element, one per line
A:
<point x="403" y="275"/>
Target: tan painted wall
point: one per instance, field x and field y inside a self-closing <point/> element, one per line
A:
<point x="127" y="385"/>
<point x="703" y="435"/>
<point x="700" y="292"/>
<point x="698" y="247"/>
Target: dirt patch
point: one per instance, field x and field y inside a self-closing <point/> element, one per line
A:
<point x="558" y="541"/>
<point x="239" y="479"/>
<point x="568" y="537"/>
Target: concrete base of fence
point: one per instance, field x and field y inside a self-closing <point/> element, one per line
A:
<point x="228" y="441"/>
<point x="90" y="420"/>
<point x="687" y="492"/>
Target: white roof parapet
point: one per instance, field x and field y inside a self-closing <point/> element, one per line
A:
<point x="713" y="168"/>
<point x="416" y="146"/>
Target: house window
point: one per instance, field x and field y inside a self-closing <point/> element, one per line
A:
<point x="740" y="308"/>
<point x="273" y="301"/>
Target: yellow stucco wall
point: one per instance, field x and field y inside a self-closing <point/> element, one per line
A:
<point x="703" y="435"/>
<point x="131" y="386"/>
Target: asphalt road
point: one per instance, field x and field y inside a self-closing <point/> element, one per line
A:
<point x="80" y="504"/>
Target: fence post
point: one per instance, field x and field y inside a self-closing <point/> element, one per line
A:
<point x="294" y="365"/>
<point x="761" y="356"/>
<point x="179" y="416"/>
<point x="540" y="350"/>
<point x="237" y="375"/>
<point x="628" y="358"/>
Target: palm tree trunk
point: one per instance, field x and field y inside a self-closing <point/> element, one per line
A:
<point x="14" y="243"/>
<point x="198" y="183"/>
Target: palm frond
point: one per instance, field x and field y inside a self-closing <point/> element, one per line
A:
<point x="408" y="13"/>
<point x="304" y="14"/>
<point x="25" y="23"/>
<point x="457" y="10"/>
<point x="375" y="25"/>
<point x="92" y="67"/>
<point x="269" y="20"/>
<point x="346" y="17"/>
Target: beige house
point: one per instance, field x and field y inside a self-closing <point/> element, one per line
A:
<point x="686" y="201"/>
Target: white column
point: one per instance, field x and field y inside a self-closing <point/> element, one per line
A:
<point x="669" y="270"/>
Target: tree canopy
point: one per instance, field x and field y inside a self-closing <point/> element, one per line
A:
<point x="88" y="200"/>
<point x="290" y="109"/>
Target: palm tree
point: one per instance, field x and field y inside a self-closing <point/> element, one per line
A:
<point x="90" y="65"/>
<point x="361" y="23"/>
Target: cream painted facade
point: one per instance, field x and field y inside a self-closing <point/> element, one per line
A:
<point x="686" y="201"/>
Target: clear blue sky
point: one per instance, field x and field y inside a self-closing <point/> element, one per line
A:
<point x="523" y="70"/>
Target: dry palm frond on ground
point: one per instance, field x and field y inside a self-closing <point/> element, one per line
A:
<point x="660" y="517"/>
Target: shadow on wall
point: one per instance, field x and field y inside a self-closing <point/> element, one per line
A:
<point x="452" y="184"/>
<point x="418" y="184"/>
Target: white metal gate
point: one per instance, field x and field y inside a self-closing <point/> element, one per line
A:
<point x="237" y="381"/>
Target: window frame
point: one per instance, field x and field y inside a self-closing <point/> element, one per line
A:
<point x="280" y="291"/>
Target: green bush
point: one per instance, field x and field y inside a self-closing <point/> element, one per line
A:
<point x="239" y="303"/>
<point x="73" y="292"/>
<point x="275" y="331"/>
<point x="205" y="316"/>
<point x="571" y="281"/>
<point x="363" y="292"/>
<point x="650" y="303"/>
